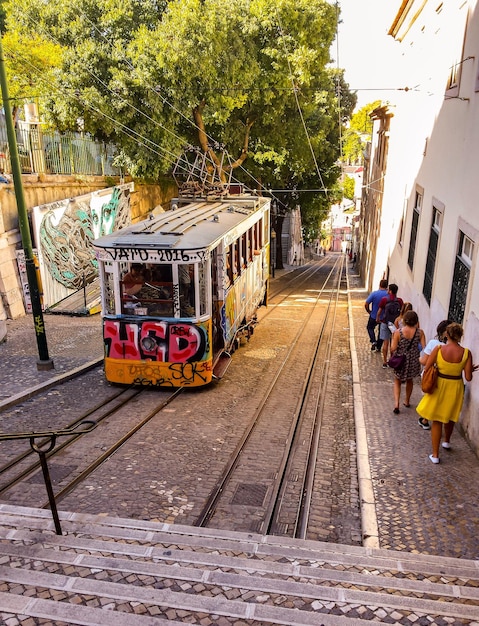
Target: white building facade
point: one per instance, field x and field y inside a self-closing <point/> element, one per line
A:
<point x="420" y="206"/>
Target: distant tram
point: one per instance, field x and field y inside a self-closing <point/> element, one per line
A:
<point x="179" y="289"/>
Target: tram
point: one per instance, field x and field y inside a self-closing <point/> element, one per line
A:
<point x="180" y="289"/>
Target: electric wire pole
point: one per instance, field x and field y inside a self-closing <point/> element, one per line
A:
<point x="44" y="362"/>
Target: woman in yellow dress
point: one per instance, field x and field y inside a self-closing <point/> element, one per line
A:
<point x="444" y="405"/>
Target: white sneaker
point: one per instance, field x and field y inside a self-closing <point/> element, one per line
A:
<point x="446" y="445"/>
<point x="433" y="459"/>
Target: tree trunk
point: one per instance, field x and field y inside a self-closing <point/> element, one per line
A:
<point x="206" y="147"/>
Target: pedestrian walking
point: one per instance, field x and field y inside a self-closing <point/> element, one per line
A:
<point x="407" y="341"/>
<point x="389" y="309"/>
<point x="443" y="406"/>
<point x="438" y="340"/>
<point x="371" y="305"/>
<point x="399" y="321"/>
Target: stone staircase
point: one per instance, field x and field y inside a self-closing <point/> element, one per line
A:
<point x="110" y="571"/>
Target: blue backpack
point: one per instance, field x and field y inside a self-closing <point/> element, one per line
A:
<point x="391" y="310"/>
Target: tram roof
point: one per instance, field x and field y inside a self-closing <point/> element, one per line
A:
<point x="189" y="224"/>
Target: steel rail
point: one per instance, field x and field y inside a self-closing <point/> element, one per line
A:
<point x="20" y="457"/>
<point x="215" y="494"/>
<point x="302" y="519"/>
<point x="114" y="448"/>
<point x="271" y="518"/>
<point x="54" y="452"/>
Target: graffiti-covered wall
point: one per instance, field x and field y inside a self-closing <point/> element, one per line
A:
<point x="63" y="232"/>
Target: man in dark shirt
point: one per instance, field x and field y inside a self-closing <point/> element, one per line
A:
<point x="387" y="312"/>
<point x="371" y="305"/>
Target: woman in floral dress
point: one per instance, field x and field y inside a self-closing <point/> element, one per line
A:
<point x="408" y="340"/>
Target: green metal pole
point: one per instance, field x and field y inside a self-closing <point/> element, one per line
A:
<point x="44" y="362"/>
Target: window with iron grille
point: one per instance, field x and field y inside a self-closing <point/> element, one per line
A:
<point x="460" y="280"/>
<point x="431" y="254"/>
<point x="414" y="226"/>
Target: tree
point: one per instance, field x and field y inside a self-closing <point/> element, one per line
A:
<point x="26" y="59"/>
<point x="348" y="187"/>
<point x="358" y="134"/>
<point x="153" y="76"/>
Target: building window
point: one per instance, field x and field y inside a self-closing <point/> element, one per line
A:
<point x="460" y="280"/>
<point x="431" y="254"/>
<point x="402" y="225"/>
<point x="414" y="226"/>
<point x="453" y="80"/>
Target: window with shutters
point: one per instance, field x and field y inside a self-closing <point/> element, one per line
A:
<point x="460" y="280"/>
<point x="431" y="254"/>
<point x="414" y="226"/>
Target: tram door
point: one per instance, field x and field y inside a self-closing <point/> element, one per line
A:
<point x="218" y="342"/>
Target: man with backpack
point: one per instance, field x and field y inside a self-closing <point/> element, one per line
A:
<point x="389" y="309"/>
<point x="372" y="305"/>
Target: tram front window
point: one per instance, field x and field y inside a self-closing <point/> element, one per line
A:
<point x="143" y="292"/>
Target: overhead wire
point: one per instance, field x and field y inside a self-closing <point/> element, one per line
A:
<point x="130" y="132"/>
<point x="156" y="91"/>
<point x="151" y="145"/>
<point x="338" y="85"/>
<point x="295" y="92"/>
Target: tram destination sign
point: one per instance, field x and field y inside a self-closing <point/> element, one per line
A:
<point x="144" y="255"/>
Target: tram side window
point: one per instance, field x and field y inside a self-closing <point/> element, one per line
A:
<point x="108" y="288"/>
<point x="236" y="258"/>
<point x="203" y="288"/>
<point x="229" y="267"/>
<point x="249" y="244"/>
<point x="244" y="249"/>
<point x="259" y="229"/>
<point x="186" y="280"/>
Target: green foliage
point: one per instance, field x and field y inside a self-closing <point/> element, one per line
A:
<point x="358" y="134"/>
<point x="3" y="16"/>
<point x="26" y="59"/>
<point x="256" y="73"/>
<point x="348" y="187"/>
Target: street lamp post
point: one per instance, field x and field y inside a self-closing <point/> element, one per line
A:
<point x="44" y="362"/>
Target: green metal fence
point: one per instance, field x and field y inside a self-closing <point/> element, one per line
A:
<point x="51" y="152"/>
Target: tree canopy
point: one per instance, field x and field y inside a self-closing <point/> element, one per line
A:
<point x="152" y="76"/>
<point x="358" y="134"/>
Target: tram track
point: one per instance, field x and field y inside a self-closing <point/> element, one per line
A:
<point x="302" y="425"/>
<point x="168" y="469"/>
<point x="87" y="471"/>
<point x="75" y="459"/>
<point x="96" y="414"/>
<point x="294" y="279"/>
<point x="15" y="461"/>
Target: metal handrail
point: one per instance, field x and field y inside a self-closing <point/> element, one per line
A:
<point x="50" y="437"/>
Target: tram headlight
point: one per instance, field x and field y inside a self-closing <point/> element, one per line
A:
<point x="148" y="344"/>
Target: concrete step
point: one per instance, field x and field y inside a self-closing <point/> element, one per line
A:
<point x="106" y="570"/>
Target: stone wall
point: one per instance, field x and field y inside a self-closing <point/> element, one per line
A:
<point x="43" y="189"/>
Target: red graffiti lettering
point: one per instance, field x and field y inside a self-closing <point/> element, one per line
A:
<point x="153" y="341"/>
<point x="121" y="340"/>
<point x="184" y="343"/>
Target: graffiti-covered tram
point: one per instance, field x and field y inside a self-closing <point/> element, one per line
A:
<point x="179" y="288"/>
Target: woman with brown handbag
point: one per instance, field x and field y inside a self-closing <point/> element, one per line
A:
<point x="406" y="341"/>
<point x="444" y="405"/>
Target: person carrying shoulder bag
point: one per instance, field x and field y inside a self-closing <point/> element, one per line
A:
<point x="407" y="340"/>
<point x="444" y="405"/>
